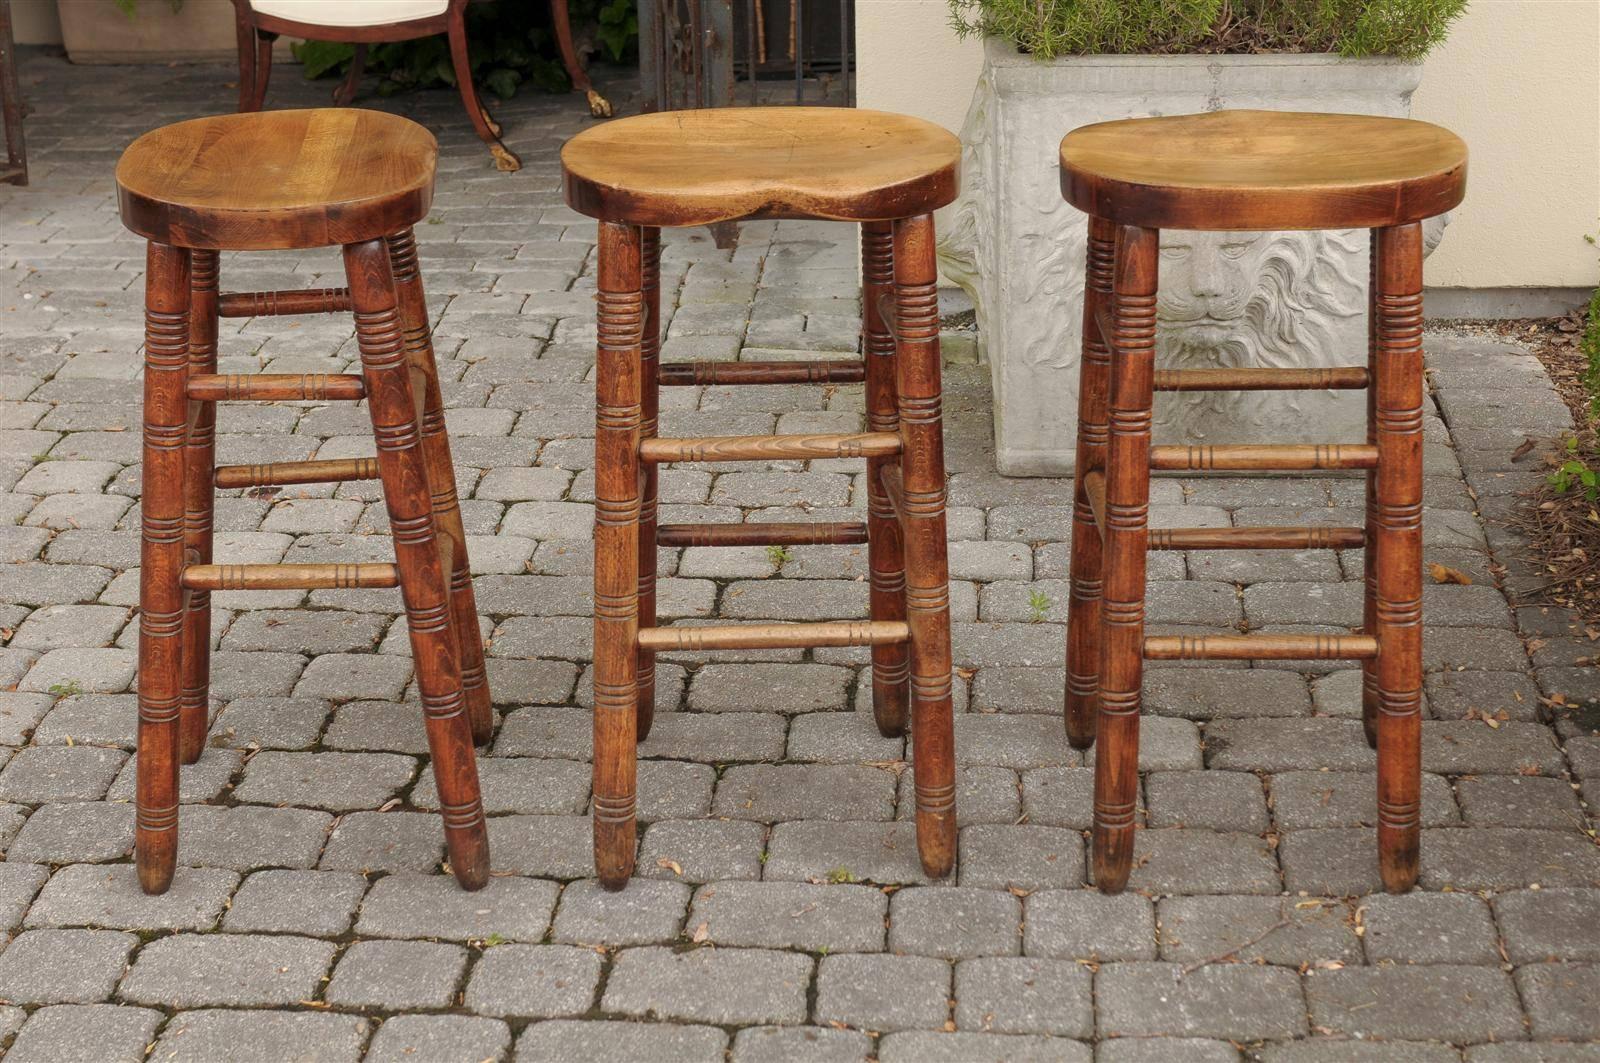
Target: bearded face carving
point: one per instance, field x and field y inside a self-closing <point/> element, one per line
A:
<point x="1256" y="300"/>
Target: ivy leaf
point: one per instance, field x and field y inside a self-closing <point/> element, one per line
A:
<point x="502" y="81"/>
<point x="319" y="57"/>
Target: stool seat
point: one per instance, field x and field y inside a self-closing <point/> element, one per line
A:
<point x="696" y="167"/>
<point x="1259" y="170"/>
<point x="274" y="180"/>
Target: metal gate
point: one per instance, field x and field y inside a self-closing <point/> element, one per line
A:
<point x="725" y="53"/>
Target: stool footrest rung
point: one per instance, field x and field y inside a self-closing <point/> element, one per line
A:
<point x="1260" y="647"/>
<point x="774" y="636"/>
<point x="1333" y="378"/>
<point x="275" y="387"/>
<point x="279" y="304"/>
<point x="1094" y="485"/>
<point x="290" y="577"/>
<point x="1252" y="458"/>
<point x="684" y="374"/>
<point x="795" y="533"/>
<point x="769" y="448"/>
<point x="1314" y="537"/>
<point x="279" y="474"/>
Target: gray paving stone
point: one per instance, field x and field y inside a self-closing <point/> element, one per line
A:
<point x="1165" y="1050"/>
<point x="64" y="966"/>
<point x="1229" y="1001"/>
<point x="791" y="915"/>
<point x="882" y="853"/>
<point x="1288" y="745"/>
<point x="337" y="782"/>
<point x="1502" y="858"/>
<point x="1429" y="928"/>
<point x="74" y="832"/>
<point x="19" y="713"/>
<point x="1306" y="799"/>
<point x="1331" y="862"/>
<point x="775" y="792"/>
<point x="954" y="924"/>
<point x="646" y="912"/>
<point x="1433" y="1002"/>
<point x="797" y="687"/>
<point x="411" y="1038"/>
<point x="396" y="975"/>
<point x="19" y="882"/>
<point x="515" y="784"/>
<point x="1549" y="924"/>
<point x="318" y="903"/>
<point x="1520" y="801"/>
<point x="1319" y="1049"/>
<point x="1202" y="861"/>
<point x="41" y="774"/>
<point x="434" y="906"/>
<point x="244" y="838"/>
<point x="1088" y="925"/>
<point x="1059" y="797"/>
<point x="1548" y="1052"/>
<point x="85" y="1033"/>
<point x="227" y="970"/>
<point x="1563" y="999"/>
<point x="722" y="986"/>
<point x="534" y="981"/>
<point x="109" y="896"/>
<point x="385" y="841"/>
<point x="546" y="846"/>
<point x="1256" y="930"/>
<point x="883" y="992"/>
<point x="999" y="857"/>
<point x="983" y="795"/>
<point x="703" y="850"/>
<point x="1017" y="995"/>
<point x="1213" y="800"/>
<point x="217" y="1033"/>
<point x="561" y="1040"/>
<point x="924" y="1046"/>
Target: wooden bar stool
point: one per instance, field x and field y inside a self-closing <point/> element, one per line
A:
<point x="1260" y="171"/>
<point x="886" y="173"/>
<point x="277" y="181"/>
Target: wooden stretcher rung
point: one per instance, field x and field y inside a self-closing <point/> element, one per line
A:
<point x="894" y="489"/>
<point x="1245" y="458"/>
<point x="1315" y="537"/>
<point x="1335" y="378"/>
<point x="1260" y="648"/>
<point x="684" y="374"/>
<point x="279" y="304"/>
<point x="769" y="448"/>
<point x="774" y="636"/>
<point x="290" y="577"/>
<point x="1094" y="485"/>
<point x="275" y="387"/>
<point x="1104" y="322"/>
<point x="279" y="474"/>
<point x="794" y="533"/>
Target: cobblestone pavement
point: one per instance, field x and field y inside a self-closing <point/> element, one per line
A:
<point x="779" y="913"/>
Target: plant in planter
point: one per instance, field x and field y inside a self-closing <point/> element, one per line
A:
<point x="1228" y="299"/>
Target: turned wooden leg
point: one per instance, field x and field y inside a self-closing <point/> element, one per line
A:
<point x="413" y="304"/>
<point x="1369" y="555"/>
<point x="649" y="424"/>
<point x="161" y="596"/>
<point x="487" y="131"/>
<point x="891" y="664"/>
<point x="346" y="92"/>
<point x="199" y="462"/>
<point x="618" y="421"/>
<point x="917" y="375"/>
<point x="561" y="19"/>
<point x="1397" y="542"/>
<point x="424" y="585"/>
<point x="1083" y="602"/>
<point x="1127" y="510"/>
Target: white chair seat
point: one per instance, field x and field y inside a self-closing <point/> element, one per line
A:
<point x="350" y="12"/>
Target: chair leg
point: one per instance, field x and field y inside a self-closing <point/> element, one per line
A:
<point x="161" y="561"/>
<point x="263" y="68"/>
<point x="561" y="19"/>
<point x="649" y="424"/>
<point x="917" y="374"/>
<point x="246" y="35"/>
<point x="618" y="420"/>
<point x="413" y="304"/>
<point x="489" y="133"/>
<point x="891" y="667"/>
<point x="199" y="463"/>
<point x="1369" y="557"/>
<point x="1083" y="602"/>
<point x="345" y="94"/>
<point x="1116" y="766"/>
<point x="424" y="585"/>
<point x="1397" y="542"/>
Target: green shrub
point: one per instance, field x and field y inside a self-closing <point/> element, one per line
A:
<point x="1590" y="348"/>
<point x="1406" y="29"/>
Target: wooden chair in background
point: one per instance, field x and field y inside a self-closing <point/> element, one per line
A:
<point x="367" y="22"/>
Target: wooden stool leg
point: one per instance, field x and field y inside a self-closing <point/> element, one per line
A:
<point x="1398" y="545"/>
<point x="891" y="664"/>
<point x="618" y="419"/>
<point x="413" y="303"/>
<point x="1083" y="602"/>
<point x="649" y="425"/>
<point x="1116" y="766"/>
<point x="161" y="597"/>
<point x="1369" y="555"/>
<point x="199" y="464"/>
<point x="424" y="585"/>
<point x="927" y="566"/>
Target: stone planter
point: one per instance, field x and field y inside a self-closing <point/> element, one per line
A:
<point x="1227" y="299"/>
<point x="94" y="31"/>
